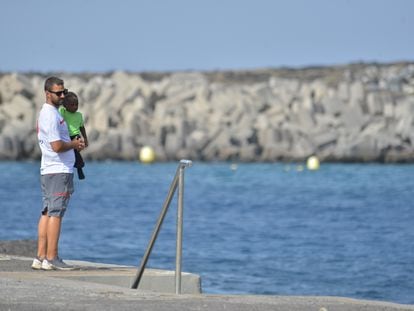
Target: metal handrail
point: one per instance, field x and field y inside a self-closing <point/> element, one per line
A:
<point x="177" y="181"/>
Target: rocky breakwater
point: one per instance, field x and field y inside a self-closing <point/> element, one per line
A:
<point x="358" y="112"/>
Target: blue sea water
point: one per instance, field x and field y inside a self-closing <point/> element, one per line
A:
<point x="344" y="230"/>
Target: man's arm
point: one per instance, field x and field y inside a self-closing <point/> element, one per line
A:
<point x="62" y="146"/>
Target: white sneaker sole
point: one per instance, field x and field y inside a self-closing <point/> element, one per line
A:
<point x="51" y="267"/>
<point x="36" y="267"/>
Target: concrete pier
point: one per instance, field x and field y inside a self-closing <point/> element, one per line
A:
<point x="95" y="286"/>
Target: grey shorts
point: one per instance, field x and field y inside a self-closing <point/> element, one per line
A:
<point x="56" y="191"/>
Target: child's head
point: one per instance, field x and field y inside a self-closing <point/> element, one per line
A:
<point x="70" y="102"/>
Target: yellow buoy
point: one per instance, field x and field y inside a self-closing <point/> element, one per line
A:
<point x="147" y="155"/>
<point x="312" y="163"/>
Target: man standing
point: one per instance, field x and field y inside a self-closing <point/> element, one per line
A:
<point x="56" y="175"/>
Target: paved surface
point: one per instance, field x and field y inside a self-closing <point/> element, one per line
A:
<point x="24" y="289"/>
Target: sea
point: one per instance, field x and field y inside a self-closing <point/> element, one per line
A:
<point x="249" y="228"/>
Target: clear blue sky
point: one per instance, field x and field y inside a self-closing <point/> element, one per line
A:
<point x="169" y="35"/>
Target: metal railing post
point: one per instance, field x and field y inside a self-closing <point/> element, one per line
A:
<point x="179" y="241"/>
<point x="157" y="228"/>
<point x="178" y="180"/>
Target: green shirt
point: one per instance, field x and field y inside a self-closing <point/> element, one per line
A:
<point x="74" y="120"/>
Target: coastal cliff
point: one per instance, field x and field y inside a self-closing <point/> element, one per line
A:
<point x="350" y="113"/>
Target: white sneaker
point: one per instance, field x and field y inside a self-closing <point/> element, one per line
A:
<point x="37" y="264"/>
<point x="46" y="265"/>
<point x="56" y="264"/>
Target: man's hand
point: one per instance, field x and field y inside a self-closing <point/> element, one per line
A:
<point x="61" y="146"/>
<point x="78" y="144"/>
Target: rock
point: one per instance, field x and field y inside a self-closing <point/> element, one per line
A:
<point x="360" y="112"/>
<point x="25" y="248"/>
<point x="20" y="108"/>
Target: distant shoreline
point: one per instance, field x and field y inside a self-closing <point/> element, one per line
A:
<point x="356" y="113"/>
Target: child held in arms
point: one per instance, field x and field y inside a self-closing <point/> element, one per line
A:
<point x="74" y="120"/>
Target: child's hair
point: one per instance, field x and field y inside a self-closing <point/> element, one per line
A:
<point x="70" y="98"/>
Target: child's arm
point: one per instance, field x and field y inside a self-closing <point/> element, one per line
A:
<point x="85" y="138"/>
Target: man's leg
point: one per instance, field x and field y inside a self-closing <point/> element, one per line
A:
<point x="42" y="236"/>
<point x="53" y="262"/>
<point x="53" y="234"/>
<point x="61" y="187"/>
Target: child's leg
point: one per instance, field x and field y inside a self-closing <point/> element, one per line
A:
<point x="78" y="160"/>
<point x="79" y="163"/>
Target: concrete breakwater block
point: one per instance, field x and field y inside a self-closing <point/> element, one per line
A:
<point x="162" y="281"/>
<point x="17" y="256"/>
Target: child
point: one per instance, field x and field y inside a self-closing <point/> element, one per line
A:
<point x="74" y="120"/>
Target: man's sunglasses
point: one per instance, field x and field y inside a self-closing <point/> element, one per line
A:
<point x="59" y="93"/>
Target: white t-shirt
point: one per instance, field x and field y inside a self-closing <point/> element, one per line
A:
<point x="52" y="127"/>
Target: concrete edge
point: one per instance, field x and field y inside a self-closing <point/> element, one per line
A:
<point x="106" y="279"/>
<point x="156" y="280"/>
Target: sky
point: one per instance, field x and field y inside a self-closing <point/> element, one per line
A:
<point x="180" y="35"/>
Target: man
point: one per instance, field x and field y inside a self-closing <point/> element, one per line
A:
<point x="56" y="175"/>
